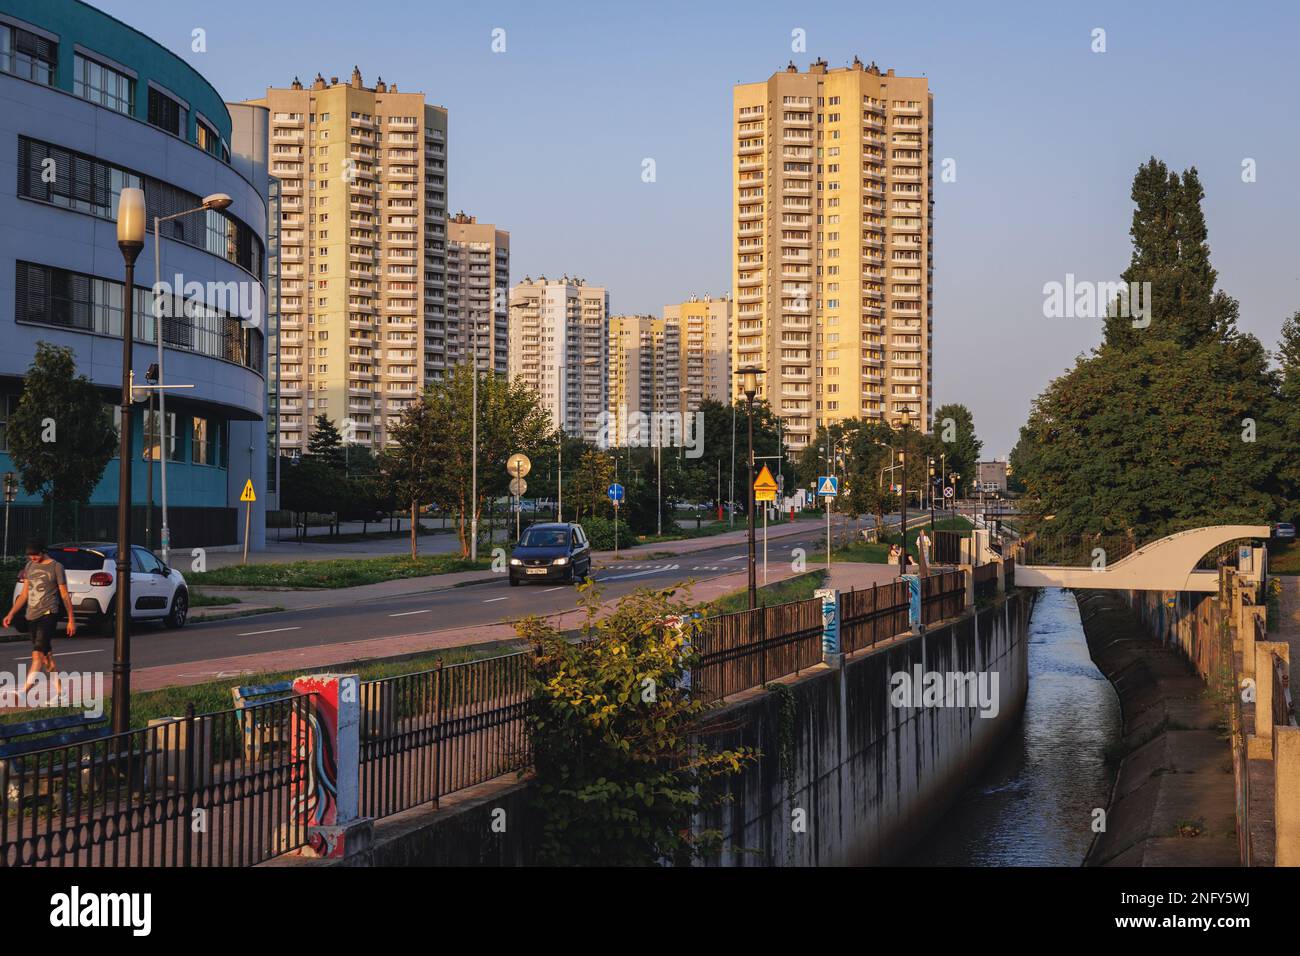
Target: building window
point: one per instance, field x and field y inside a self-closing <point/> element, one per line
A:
<point x="210" y="141"/>
<point x="27" y="55"/>
<point x="204" y="443"/>
<point x="166" y="113"/>
<point x="8" y="405"/>
<point x="64" y="299"/>
<point x="102" y="84"/>
<point x="150" y="431"/>
<point x="85" y="184"/>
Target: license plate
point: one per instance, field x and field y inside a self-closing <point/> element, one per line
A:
<point x="537" y="570"/>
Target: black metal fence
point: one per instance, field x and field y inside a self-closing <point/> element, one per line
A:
<point x="189" y="792"/>
<point x="986" y="580"/>
<point x="947" y="547"/>
<point x="872" y="614"/>
<point x="943" y="595"/>
<point x="429" y="734"/>
<point x="749" y="648"/>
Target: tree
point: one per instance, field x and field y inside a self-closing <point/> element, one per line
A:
<point x="61" y="436"/>
<point x="414" y="467"/>
<point x="326" y="444"/>
<point x="954" y="427"/>
<point x="587" y="486"/>
<point x="1169" y="424"/>
<point x="621" y="774"/>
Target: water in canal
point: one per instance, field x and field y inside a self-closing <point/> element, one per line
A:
<point x="1032" y="805"/>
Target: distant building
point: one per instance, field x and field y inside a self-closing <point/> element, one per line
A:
<point x="559" y="340"/>
<point x="478" y="290"/>
<point x="993" y="475"/>
<point x="832" y="218"/>
<point x="703" y="333"/>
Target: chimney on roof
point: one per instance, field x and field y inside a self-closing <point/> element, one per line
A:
<point x="393" y="88"/>
<point x="381" y="86"/>
<point x="791" y="68"/>
<point x="296" y="84"/>
<point x="857" y="64"/>
<point x="318" y="83"/>
<point x="356" y="78"/>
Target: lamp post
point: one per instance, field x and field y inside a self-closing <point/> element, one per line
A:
<point x="215" y="202"/>
<point x="130" y="240"/>
<point x="904" y="420"/>
<point x="473" y="493"/>
<point x="749" y="385"/>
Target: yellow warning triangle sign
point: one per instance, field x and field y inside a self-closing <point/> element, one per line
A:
<point x="765" y="486"/>
<point x="249" y="494"/>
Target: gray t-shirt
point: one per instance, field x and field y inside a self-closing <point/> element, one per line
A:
<point x="43" y="581"/>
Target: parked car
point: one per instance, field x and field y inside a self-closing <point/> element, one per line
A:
<point x="158" y="592"/>
<point x="551" y="552"/>
<point x="1284" y="529"/>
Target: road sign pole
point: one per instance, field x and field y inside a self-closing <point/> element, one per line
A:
<point x="616" y="529"/>
<point x="248" y="522"/>
<point x="764" y="544"/>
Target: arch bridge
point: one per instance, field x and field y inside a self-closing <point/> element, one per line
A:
<point x="1168" y="564"/>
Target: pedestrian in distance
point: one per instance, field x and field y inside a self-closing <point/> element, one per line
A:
<point x="45" y="594"/>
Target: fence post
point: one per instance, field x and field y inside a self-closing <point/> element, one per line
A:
<point x="188" y="783"/>
<point x="968" y="576"/>
<point x="437" y="733"/>
<point x="335" y="827"/>
<point x="1286" y="795"/>
<point x="1002" y="575"/>
<point x="1260" y="743"/>
<point x="831" y="652"/>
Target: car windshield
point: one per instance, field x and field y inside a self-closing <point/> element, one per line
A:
<point x="545" y="538"/>
<point x="75" y="559"/>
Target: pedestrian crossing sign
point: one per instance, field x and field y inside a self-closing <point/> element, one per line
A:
<point x="828" y="486"/>
<point x="249" y="494"/>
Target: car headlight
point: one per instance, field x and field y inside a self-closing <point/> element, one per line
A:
<point x="560" y="561"/>
<point x="515" y="561"/>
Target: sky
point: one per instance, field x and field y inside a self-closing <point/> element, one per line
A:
<point x="547" y="140"/>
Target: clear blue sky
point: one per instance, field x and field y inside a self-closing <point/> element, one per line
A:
<point x="547" y="139"/>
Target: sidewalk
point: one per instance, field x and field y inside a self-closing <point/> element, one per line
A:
<point x="1288" y="624"/>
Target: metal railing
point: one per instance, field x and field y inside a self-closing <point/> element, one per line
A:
<point x="943" y="595"/>
<point x="429" y="734"/>
<point x="188" y="792"/>
<point x="947" y="547"/>
<point x="986" y="580"/>
<point x="747" y="649"/>
<point x="1009" y="571"/>
<point x="872" y="614"/>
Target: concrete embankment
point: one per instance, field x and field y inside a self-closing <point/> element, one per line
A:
<point x="1173" y="802"/>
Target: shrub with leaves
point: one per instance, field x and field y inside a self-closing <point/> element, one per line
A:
<point x="620" y="776"/>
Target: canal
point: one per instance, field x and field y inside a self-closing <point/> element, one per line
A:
<point x="1033" y="804"/>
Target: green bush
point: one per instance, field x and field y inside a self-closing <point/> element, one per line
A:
<point x="600" y="532"/>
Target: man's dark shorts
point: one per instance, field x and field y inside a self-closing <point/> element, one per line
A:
<point x="43" y="632"/>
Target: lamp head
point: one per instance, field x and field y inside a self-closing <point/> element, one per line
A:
<point x="216" y="201"/>
<point x="130" y="219"/>
<point x="749" y="380"/>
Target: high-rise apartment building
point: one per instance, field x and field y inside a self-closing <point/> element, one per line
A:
<point x="363" y="208"/>
<point x="704" y="344"/>
<point x="559" y="345"/>
<point x="478" y="289"/>
<point x="832" y="222"/>
<point x="644" y="374"/>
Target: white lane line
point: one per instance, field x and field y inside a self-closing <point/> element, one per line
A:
<point x="98" y="650"/>
<point x="274" y="630"/>
<point x="549" y="590"/>
<point x="407" y="613"/>
<point x="491" y="600"/>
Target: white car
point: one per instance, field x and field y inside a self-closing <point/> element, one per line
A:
<point x="1284" y="529"/>
<point x="158" y="593"/>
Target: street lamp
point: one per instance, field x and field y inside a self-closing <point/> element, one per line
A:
<point x="215" y="202"/>
<point x="749" y="385"/>
<point x="904" y="421"/>
<point x="130" y="240"/>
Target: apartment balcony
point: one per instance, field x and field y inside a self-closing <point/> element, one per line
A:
<point x="750" y="150"/>
<point x="279" y="135"/>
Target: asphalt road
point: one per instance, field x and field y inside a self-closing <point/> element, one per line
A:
<point x="419" y="612"/>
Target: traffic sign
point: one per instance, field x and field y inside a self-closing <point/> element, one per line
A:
<point x="615" y="492"/>
<point x="828" y="486"/>
<point x="765" y="486"/>
<point x="249" y="494"/>
<point x="518" y="487"/>
<point x="518" y="465"/>
<point x="947" y="492"/>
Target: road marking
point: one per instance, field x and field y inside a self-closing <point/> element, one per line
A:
<point x="405" y="613"/>
<point x="491" y="600"/>
<point x="274" y="630"/>
<point x="549" y="590"/>
<point x="98" y="650"/>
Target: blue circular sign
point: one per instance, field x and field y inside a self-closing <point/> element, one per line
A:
<point x="615" y="492"/>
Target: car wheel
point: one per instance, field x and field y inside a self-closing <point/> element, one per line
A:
<point x="514" y="582"/>
<point x="180" y="611"/>
<point x="108" y="625"/>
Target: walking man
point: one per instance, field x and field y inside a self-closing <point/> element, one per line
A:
<point x="45" y="593"/>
